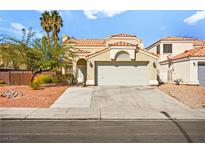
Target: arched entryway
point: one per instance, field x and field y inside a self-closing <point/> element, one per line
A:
<point x="81" y="70"/>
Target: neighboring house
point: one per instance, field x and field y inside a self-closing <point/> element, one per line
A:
<point x="188" y="66"/>
<point x="180" y="59"/>
<point x="171" y="46"/>
<point x="116" y="60"/>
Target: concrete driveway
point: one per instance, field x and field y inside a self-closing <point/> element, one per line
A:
<point x="124" y="102"/>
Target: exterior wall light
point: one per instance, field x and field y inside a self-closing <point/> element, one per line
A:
<point x="154" y="65"/>
<point x="91" y="65"/>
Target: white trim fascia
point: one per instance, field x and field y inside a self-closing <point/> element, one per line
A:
<point x="148" y="54"/>
<point x="127" y="38"/>
<point x="163" y="41"/>
<point x="153" y="82"/>
<point x="99" y="52"/>
<point x="192" y="82"/>
<point x="163" y="63"/>
<point x="123" y="47"/>
<point x="90" y="82"/>
<point x="197" y="58"/>
<point x="184" y="41"/>
<point x="174" y="61"/>
<point x="87" y="47"/>
<point x="153" y="45"/>
<point x="183" y="59"/>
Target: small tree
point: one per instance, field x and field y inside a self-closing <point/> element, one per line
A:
<point x="15" y="52"/>
<point x="53" y="55"/>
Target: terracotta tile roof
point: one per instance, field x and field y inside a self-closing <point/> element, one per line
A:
<point x="89" y="42"/>
<point x="174" y="38"/>
<point x="123" y="35"/>
<point x="199" y="43"/>
<point x="122" y="44"/>
<point x="196" y="52"/>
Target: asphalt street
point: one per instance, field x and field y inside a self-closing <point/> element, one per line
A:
<point x="87" y="131"/>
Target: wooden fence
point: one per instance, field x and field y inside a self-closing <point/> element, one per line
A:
<point x="19" y="77"/>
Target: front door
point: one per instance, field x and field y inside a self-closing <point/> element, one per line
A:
<point x="81" y="74"/>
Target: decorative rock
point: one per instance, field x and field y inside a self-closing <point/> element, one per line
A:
<point x="11" y="94"/>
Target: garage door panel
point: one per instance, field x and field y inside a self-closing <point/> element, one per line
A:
<point x="201" y="74"/>
<point x="122" y="74"/>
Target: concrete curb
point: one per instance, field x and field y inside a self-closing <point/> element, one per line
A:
<point x="98" y="119"/>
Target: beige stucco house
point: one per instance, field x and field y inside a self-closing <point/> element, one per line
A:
<point x="180" y="59"/>
<point x="116" y="60"/>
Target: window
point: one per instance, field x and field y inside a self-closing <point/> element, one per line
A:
<point x="158" y="49"/>
<point x="167" y="48"/>
<point x="122" y="55"/>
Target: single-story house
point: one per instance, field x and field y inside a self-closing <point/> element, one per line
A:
<point x="188" y="66"/>
<point x="119" y="59"/>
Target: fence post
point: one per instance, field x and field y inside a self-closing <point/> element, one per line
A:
<point x="9" y="77"/>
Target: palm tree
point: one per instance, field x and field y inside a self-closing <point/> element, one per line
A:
<point x="46" y="23"/>
<point x="56" y="24"/>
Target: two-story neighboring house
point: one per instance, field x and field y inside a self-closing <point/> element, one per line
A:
<point x="180" y="58"/>
<point x="119" y="59"/>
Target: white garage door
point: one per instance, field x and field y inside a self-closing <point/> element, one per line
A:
<point x="201" y="74"/>
<point x="121" y="74"/>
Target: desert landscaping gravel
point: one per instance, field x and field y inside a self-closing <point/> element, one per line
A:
<point x="42" y="98"/>
<point x="193" y="96"/>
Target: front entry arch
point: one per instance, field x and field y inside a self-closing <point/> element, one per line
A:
<point x="81" y="71"/>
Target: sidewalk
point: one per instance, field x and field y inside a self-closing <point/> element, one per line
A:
<point x="87" y="114"/>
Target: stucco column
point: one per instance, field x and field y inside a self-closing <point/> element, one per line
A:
<point x="193" y="72"/>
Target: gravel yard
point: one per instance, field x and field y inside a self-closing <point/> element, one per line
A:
<point x="193" y="96"/>
<point x="42" y="98"/>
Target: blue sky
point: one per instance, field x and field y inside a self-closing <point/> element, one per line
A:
<point x="147" y="25"/>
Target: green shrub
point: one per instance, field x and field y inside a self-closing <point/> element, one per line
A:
<point x="35" y="85"/>
<point x="43" y="79"/>
<point x="2" y="82"/>
<point x="47" y="79"/>
<point x="56" y="80"/>
<point x="70" y="77"/>
<point x="63" y="78"/>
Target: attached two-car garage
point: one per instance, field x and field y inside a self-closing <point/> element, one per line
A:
<point x="122" y="66"/>
<point x="121" y="73"/>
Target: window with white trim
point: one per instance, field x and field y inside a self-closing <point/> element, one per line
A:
<point x="167" y="48"/>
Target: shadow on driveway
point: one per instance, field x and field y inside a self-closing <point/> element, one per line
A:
<point x="186" y="135"/>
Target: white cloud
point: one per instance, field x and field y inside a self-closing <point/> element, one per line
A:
<point x="95" y="14"/>
<point x="199" y="15"/>
<point x="11" y="30"/>
<point x="16" y="29"/>
<point x="17" y="26"/>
